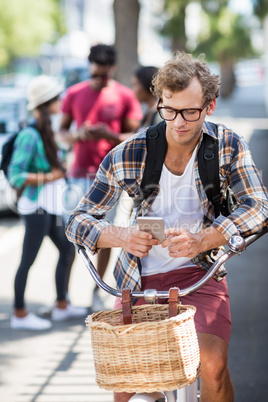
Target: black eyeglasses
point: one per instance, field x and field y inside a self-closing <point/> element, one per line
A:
<point x="169" y="113"/>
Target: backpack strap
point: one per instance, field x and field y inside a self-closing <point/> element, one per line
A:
<point x="208" y="166"/>
<point x="156" y="144"/>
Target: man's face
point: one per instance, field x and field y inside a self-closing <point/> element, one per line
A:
<point x="100" y="75"/>
<point x="179" y="131"/>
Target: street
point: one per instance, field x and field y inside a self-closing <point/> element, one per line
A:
<point x="57" y="366"/>
<point x="247" y="279"/>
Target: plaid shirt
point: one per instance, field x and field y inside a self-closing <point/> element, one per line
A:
<point x="122" y="169"/>
<point x="28" y="157"/>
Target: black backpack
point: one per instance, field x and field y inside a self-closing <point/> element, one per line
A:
<point x="7" y="150"/>
<point x="208" y="166"/>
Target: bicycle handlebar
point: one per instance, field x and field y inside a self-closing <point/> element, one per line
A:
<point x="237" y="244"/>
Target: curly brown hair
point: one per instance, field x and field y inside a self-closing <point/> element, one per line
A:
<point x="178" y="72"/>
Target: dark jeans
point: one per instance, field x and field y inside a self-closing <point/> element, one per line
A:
<point x="37" y="226"/>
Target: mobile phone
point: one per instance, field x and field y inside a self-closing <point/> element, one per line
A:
<point x="152" y="225"/>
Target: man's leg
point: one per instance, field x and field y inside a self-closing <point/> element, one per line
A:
<point x="216" y="383"/>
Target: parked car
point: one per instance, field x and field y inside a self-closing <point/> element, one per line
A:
<point x="13" y="112"/>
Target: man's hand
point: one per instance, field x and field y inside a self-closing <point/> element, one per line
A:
<point x="130" y="239"/>
<point x="182" y="243"/>
<point x="97" y="132"/>
<point x="137" y="242"/>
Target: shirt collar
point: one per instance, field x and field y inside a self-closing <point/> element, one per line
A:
<point x="208" y="130"/>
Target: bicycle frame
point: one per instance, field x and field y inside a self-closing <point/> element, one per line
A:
<point x="237" y="245"/>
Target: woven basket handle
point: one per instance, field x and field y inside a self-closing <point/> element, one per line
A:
<point x="173" y="302"/>
<point x="126" y="306"/>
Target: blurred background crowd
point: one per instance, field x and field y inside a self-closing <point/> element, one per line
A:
<point x="53" y="37"/>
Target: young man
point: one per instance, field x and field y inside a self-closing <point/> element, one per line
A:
<point x="187" y="93"/>
<point x="105" y="113"/>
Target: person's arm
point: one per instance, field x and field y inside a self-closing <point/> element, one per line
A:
<point x="240" y="172"/>
<point x="22" y="164"/>
<point x="87" y="225"/>
<point x="182" y="243"/>
<point x="98" y="131"/>
<point x="128" y="238"/>
<point x="133" y="116"/>
<point x="251" y="215"/>
<point x="88" y="132"/>
<point x="66" y="136"/>
<point x="37" y="179"/>
<point x="130" y="126"/>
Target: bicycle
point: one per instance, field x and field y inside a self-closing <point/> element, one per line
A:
<point x="190" y="393"/>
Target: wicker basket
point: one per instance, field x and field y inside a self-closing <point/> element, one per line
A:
<point x="154" y="353"/>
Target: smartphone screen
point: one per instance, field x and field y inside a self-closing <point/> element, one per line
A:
<point x="152" y="225"/>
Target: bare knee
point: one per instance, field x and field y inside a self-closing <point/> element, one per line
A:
<point x="215" y="375"/>
<point x="214" y="362"/>
<point x="215" y="367"/>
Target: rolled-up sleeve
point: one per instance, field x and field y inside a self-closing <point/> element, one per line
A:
<point x="88" y="219"/>
<point x="246" y="182"/>
<point x="23" y="151"/>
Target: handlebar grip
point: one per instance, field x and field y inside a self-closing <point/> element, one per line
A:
<point x="250" y="239"/>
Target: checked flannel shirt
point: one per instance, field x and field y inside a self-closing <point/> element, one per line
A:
<point x="28" y="157"/>
<point x="122" y="169"/>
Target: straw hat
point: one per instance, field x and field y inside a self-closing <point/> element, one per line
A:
<point x="42" y="89"/>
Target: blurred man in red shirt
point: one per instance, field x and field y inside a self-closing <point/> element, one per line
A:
<point x="105" y="113"/>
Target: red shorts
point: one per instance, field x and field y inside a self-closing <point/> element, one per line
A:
<point x="213" y="313"/>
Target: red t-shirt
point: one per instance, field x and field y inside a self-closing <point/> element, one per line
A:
<point x="110" y="106"/>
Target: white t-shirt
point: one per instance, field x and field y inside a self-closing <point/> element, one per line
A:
<point x="179" y="205"/>
<point x="50" y="199"/>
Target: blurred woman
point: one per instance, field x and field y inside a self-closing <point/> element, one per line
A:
<point x="141" y="81"/>
<point x="38" y="175"/>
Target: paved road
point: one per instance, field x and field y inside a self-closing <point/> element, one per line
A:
<point x="248" y="279"/>
<point x="56" y="365"/>
<point x="247" y="274"/>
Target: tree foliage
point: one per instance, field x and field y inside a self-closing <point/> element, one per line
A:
<point x="174" y="26"/>
<point x="24" y="25"/>
<point x="226" y="39"/>
<point x="227" y="36"/>
<point x="260" y="8"/>
<point x="212" y="7"/>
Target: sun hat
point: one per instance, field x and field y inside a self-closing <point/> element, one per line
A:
<point x="42" y="89"/>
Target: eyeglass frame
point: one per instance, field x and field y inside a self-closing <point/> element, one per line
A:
<point x="180" y="111"/>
